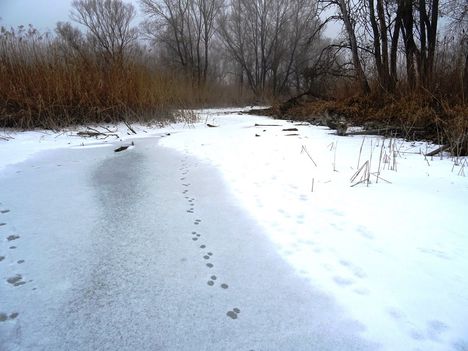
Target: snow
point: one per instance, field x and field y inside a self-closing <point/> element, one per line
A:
<point x="392" y="253"/>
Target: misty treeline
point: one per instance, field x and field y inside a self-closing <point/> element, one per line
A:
<point x="104" y="66"/>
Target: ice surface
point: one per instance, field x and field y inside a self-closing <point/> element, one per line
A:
<point x="110" y="264"/>
<point x="118" y="242"/>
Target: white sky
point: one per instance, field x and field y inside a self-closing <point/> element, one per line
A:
<point x="44" y="14"/>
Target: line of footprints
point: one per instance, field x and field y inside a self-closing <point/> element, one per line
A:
<point x="196" y="236"/>
<point x="17" y="279"/>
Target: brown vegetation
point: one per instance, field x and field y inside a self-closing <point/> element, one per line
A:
<point x="46" y="84"/>
<point x="393" y="67"/>
<point x="414" y="116"/>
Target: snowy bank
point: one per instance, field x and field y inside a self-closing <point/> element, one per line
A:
<point x="392" y="251"/>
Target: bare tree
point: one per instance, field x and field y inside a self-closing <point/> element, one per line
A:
<point x="72" y="44"/>
<point x="267" y="38"/>
<point x="345" y="13"/>
<point x="457" y="13"/>
<point x="109" y="26"/>
<point x="185" y="28"/>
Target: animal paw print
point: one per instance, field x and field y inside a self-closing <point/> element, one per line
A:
<point x="233" y="314"/>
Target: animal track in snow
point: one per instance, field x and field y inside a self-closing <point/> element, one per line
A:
<point x="233" y="314"/>
<point x="4" y="317"/>
<point x="435" y="328"/>
<point x="16" y="280"/>
<point x="365" y="233"/>
<point x="355" y="270"/>
<point x="342" y="281"/>
<point x="361" y="291"/>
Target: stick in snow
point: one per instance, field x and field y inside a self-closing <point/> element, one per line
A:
<point x="130" y="127"/>
<point x="438" y="150"/>
<point x="123" y="147"/>
<point x="267" y="125"/>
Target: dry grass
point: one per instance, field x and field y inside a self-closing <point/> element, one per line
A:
<point x="47" y="85"/>
<point x="415" y="116"/>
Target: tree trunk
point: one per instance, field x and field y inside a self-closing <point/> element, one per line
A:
<point x="465" y="79"/>
<point x="360" y="76"/>
<point x="394" y="51"/>
<point x="376" y="41"/>
<point x="422" y="55"/>
<point x="385" y="79"/>
<point x="408" y="23"/>
<point x="432" y="40"/>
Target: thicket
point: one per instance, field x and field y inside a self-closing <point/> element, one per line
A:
<point x="405" y="72"/>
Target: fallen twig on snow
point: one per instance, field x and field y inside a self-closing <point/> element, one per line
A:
<point x="304" y="149"/>
<point x="123" y="147"/>
<point x="438" y="150"/>
<point x="130" y="127"/>
<point x="267" y="125"/>
<point x="94" y="133"/>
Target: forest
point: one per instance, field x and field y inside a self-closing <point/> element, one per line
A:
<point x="397" y="62"/>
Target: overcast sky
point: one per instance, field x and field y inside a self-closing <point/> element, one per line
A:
<point x="44" y="14"/>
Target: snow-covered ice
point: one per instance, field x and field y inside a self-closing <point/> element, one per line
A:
<point x="391" y="254"/>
